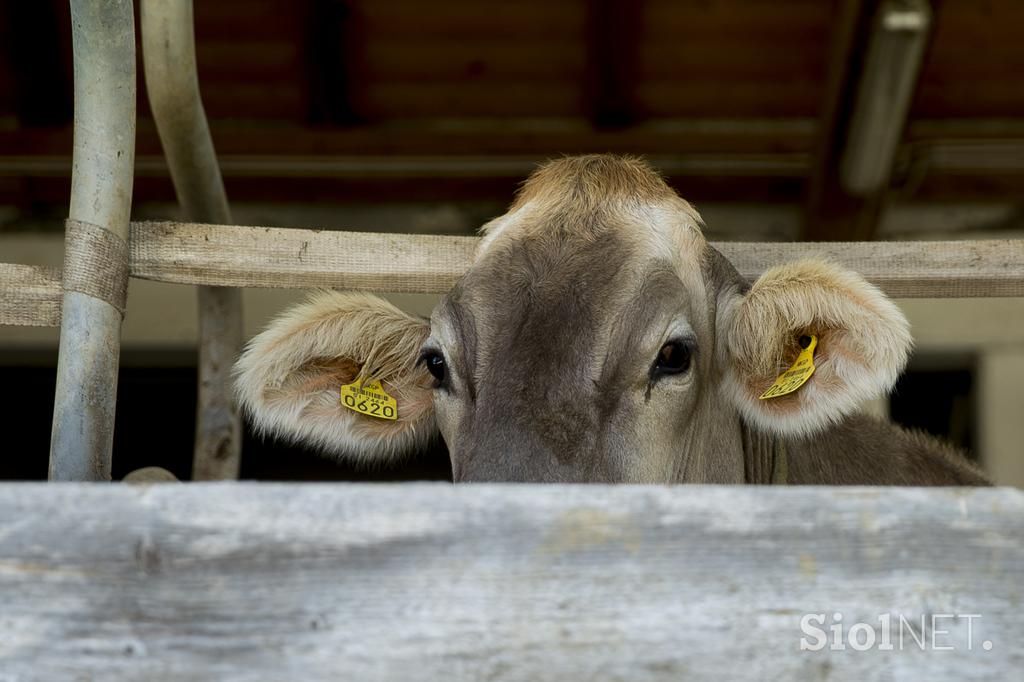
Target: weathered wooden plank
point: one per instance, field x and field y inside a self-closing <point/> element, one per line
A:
<point x="360" y="582"/>
<point x="294" y="258"/>
<point x="231" y="255"/>
<point x="911" y="269"/>
<point x="30" y="295"/>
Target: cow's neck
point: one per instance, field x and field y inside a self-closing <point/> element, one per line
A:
<point x="764" y="458"/>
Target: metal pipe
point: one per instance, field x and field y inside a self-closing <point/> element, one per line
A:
<point x="172" y="82"/>
<point x="103" y="37"/>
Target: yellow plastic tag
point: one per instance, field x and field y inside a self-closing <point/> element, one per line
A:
<point x="369" y="399"/>
<point x="797" y="375"/>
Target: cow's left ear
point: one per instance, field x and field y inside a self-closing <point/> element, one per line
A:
<point x="291" y="377"/>
<point x="863" y="341"/>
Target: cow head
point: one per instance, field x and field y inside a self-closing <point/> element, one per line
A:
<point x="596" y="337"/>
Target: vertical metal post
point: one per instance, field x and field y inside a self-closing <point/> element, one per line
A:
<point x="168" y="54"/>
<point x="103" y="35"/>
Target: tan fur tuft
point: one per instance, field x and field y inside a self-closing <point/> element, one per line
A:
<point x="593" y="180"/>
<point x="289" y="377"/>
<point x="863" y="345"/>
<point x="580" y="197"/>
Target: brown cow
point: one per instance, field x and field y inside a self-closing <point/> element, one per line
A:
<point x="598" y="337"/>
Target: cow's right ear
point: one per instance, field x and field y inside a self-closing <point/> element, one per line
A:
<point x="862" y="344"/>
<point x="289" y="377"/>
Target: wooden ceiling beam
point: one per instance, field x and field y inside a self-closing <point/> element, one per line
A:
<point x="878" y="49"/>
<point x="613" y="42"/>
<point x="887" y="84"/>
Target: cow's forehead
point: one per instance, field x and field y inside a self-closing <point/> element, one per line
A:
<point x="579" y="204"/>
<point x="558" y="315"/>
<point x="589" y="242"/>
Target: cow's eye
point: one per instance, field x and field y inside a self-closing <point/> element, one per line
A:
<point x="435" y="363"/>
<point x="673" y="358"/>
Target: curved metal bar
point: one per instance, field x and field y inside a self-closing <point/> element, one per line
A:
<point x="103" y="37"/>
<point x="172" y="83"/>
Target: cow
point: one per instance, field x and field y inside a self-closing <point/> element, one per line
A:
<point x="598" y="337"/>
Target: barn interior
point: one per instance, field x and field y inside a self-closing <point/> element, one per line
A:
<point x="791" y="120"/>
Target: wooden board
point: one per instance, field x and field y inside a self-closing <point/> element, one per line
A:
<point x="30" y="295"/>
<point x="434" y="582"/>
<point x="293" y="258"/>
<point x="238" y="256"/>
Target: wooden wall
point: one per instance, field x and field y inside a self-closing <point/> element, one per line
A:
<point x="434" y="582"/>
<point x="728" y="96"/>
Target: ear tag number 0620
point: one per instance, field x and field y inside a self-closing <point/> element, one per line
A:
<point x="369" y="399"/>
<point x="797" y="375"/>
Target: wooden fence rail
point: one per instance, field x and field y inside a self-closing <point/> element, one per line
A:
<point x="435" y="582"/>
<point x="237" y="256"/>
<point x="30" y="295"/>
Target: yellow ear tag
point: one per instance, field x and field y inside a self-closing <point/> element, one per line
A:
<point x="797" y="375"/>
<point x="369" y="399"/>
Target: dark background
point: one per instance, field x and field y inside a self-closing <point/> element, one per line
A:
<point x="156" y="418"/>
<point x="738" y="100"/>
